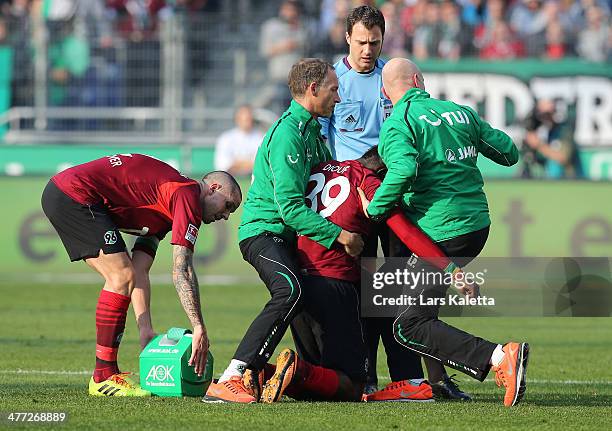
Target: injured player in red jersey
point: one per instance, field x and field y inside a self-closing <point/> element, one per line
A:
<point x="330" y="361"/>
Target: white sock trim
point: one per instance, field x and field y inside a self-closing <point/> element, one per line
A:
<point x="235" y="368"/>
<point x="498" y="356"/>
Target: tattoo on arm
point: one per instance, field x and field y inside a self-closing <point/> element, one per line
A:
<point x="186" y="284"/>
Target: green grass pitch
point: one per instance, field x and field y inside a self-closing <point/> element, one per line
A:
<point x="47" y="348"/>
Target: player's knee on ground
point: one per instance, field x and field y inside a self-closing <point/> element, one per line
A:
<point x="349" y="389"/>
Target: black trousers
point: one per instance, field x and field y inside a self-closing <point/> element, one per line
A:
<point x="327" y="332"/>
<point x="274" y="259"/>
<point x="403" y="364"/>
<point x="418" y="328"/>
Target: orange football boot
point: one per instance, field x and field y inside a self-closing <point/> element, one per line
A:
<point x="286" y="366"/>
<point x="403" y="391"/>
<point x="512" y="372"/>
<point x="253" y="382"/>
<point x="229" y="391"/>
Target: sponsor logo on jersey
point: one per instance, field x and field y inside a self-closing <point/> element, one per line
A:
<point x="450" y="155"/>
<point x="464" y="152"/>
<point x="469" y="151"/>
<point x="110" y="237"/>
<point x="192" y="234"/>
<point x="293" y="160"/>
<point x="387" y="108"/>
<point x="350" y="119"/>
<point x="451" y="117"/>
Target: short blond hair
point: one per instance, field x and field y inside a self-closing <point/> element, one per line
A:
<point x="305" y="72"/>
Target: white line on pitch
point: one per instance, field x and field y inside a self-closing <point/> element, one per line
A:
<point x="539" y="381"/>
<point x="86" y="372"/>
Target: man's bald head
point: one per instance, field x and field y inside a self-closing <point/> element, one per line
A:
<point x="400" y="75"/>
<point x="227" y="181"/>
<point x="220" y="196"/>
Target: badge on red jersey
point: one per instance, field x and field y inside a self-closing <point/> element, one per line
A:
<point x="192" y="234"/>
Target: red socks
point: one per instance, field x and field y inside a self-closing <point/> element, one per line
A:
<point x="110" y="323"/>
<point x="314" y="379"/>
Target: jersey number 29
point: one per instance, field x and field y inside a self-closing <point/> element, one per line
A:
<point x="330" y="204"/>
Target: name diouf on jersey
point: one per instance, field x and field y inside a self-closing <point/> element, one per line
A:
<point x="335" y="168"/>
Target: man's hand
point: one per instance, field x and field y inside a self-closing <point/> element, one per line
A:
<point x="364" y="201"/>
<point x="186" y="284"/>
<point x="470" y="290"/>
<point x="146" y="335"/>
<point x="199" y="349"/>
<point x="352" y="242"/>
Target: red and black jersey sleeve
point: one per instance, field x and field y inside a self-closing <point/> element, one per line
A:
<point x="186" y="215"/>
<point x="414" y="238"/>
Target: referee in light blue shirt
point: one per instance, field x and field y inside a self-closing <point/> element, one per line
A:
<point x="355" y="125"/>
<point x="353" y="129"/>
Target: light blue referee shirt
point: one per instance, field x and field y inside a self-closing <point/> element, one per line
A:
<point x="355" y="124"/>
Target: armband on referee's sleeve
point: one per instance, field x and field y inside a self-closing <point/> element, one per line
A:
<point x="146" y="244"/>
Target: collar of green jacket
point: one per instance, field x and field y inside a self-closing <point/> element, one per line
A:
<point x="305" y="118"/>
<point x="414" y="94"/>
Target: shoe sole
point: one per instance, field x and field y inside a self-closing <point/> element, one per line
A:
<point x="274" y="388"/>
<point x="442" y="395"/>
<point x="252" y="384"/>
<point x="214" y="400"/>
<point x="521" y="373"/>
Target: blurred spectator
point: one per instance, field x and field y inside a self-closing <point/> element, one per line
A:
<point x="283" y="42"/>
<point x="473" y="12"/>
<point x="451" y="38"/>
<point x="502" y="44"/>
<point x="440" y="33"/>
<point x="593" y="40"/>
<point x="331" y="11"/>
<point x="528" y="20"/>
<point x="495" y="12"/>
<point x="137" y="22"/>
<point x="570" y="16"/>
<point x="412" y="16"/>
<point x="16" y="13"/>
<point x="555" y="41"/>
<point x="236" y="148"/>
<point x="427" y="32"/>
<point x="69" y="60"/>
<point x="395" y="39"/>
<point x="549" y="149"/>
<point x="3" y="31"/>
<point x="333" y="45"/>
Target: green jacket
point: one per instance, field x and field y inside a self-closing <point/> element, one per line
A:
<point x="430" y="148"/>
<point x="275" y="202"/>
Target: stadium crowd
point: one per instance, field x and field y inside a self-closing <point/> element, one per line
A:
<point x="108" y="53"/>
<point x="489" y="29"/>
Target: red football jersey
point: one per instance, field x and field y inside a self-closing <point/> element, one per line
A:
<point x="144" y="195"/>
<point x="332" y="192"/>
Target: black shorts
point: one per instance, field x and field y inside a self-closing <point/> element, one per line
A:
<point x="328" y="330"/>
<point x="83" y="229"/>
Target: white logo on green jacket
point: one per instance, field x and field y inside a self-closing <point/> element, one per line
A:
<point x="451" y="117"/>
